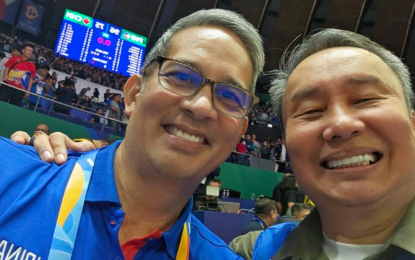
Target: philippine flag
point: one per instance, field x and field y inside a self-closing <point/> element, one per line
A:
<point x="8" y="10"/>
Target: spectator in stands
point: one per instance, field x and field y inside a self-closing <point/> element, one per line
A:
<point x="83" y="92"/>
<point x="242" y="158"/>
<point x="43" y="128"/>
<point x="66" y="95"/>
<point x="107" y="94"/>
<point x="15" y="52"/>
<point x="173" y="141"/>
<point x="250" y="146"/>
<point x="96" y="93"/>
<point x="39" y="84"/>
<point x="252" y="118"/>
<point x="85" y="103"/>
<point x="49" y="92"/>
<point x="265" y="216"/>
<point x="278" y="192"/>
<point x="115" y="111"/>
<point x="272" y="150"/>
<point x="55" y="76"/>
<point x="97" y="118"/>
<point x="290" y="194"/>
<point x="300" y="210"/>
<point x="281" y="155"/>
<point x="264" y="150"/>
<point x="257" y="147"/>
<point x="19" y="72"/>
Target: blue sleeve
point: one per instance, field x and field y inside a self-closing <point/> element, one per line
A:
<point x="30" y="195"/>
<point x="271" y="240"/>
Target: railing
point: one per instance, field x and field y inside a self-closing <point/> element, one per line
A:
<point x="107" y="119"/>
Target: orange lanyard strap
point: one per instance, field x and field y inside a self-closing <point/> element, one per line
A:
<point x="184" y="246"/>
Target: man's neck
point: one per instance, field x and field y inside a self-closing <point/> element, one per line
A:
<point x="364" y="225"/>
<point x="150" y="202"/>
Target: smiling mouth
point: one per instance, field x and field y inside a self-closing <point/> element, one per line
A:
<point x="353" y="161"/>
<point x="173" y="130"/>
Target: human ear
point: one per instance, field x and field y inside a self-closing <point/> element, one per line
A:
<point x="132" y="87"/>
<point x="244" y="127"/>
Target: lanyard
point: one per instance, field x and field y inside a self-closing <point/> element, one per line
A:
<point x="70" y="213"/>
<point x="184" y="246"/>
<point x="71" y="208"/>
<point x="260" y="222"/>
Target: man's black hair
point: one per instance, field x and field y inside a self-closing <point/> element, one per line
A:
<point x="264" y="206"/>
<point x="68" y="82"/>
<point x="43" y="66"/>
<point x="297" y="207"/>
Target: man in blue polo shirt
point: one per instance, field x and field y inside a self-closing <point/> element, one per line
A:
<point x="186" y="112"/>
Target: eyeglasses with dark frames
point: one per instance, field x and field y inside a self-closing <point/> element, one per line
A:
<point x="185" y="80"/>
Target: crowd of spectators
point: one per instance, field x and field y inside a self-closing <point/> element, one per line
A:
<point x="71" y="67"/>
<point x="269" y="149"/>
<point x="263" y="115"/>
<point x="64" y="91"/>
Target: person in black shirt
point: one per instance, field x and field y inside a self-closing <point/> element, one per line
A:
<point x="290" y="194"/>
<point x="96" y="118"/>
<point x="96" y="93"/>
<point x="278" y="192"/>
<point x="65" y="95"/>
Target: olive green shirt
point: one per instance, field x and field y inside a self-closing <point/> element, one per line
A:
<point x="306" y="241"/>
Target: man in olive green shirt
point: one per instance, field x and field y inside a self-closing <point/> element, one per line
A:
<point x="346" y="104"/>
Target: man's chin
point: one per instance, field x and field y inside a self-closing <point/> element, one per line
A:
<point x="355" y="197"/>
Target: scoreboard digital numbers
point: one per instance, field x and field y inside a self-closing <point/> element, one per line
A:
<point x="100" y="44"/>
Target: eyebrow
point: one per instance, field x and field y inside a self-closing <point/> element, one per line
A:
<point x="305" y="94"/>
<point x="354" y="81"/>
<point x="358" y="80"/>
<point x="229" y="80"/>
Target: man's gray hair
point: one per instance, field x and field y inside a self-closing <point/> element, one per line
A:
<point x="330" y="38"/>
<point x="228" y="20"/>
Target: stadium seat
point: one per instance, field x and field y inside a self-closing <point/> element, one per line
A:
<point x="58" y="115"/>
<point x="42" y="110"/>
<point x="81" y="121"/>
<point x="98" y="126"/>
<point x="120" y="133"/>
<point x="87" y="124"/>
<point x="108" y="130"/>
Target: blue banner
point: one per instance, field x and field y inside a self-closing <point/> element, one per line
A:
<point x="8" y="10"/>
<point x="30" y="17"/>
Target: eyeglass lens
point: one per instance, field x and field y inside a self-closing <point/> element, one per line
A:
<point x="185" y="81"/>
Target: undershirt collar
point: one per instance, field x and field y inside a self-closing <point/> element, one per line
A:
<point x="340" y="251"/>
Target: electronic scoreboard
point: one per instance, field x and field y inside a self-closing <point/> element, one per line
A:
<point x="88" y="40"/>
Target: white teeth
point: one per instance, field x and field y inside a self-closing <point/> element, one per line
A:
<point x="358" y="160"/>
<point x="178" y="132"/>
<point x="354" y="159"/>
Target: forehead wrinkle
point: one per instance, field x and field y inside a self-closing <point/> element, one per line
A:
<point x="304" y="94"/>
<point x="204" y="45"/>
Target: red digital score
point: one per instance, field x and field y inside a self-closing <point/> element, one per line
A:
<point x="103" y="41"/>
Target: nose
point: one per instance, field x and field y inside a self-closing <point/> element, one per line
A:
<point x="200" y="105"/>
<point x="342" y="124"/>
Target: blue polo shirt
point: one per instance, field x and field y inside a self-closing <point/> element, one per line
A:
<point x="30" y="196"/>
